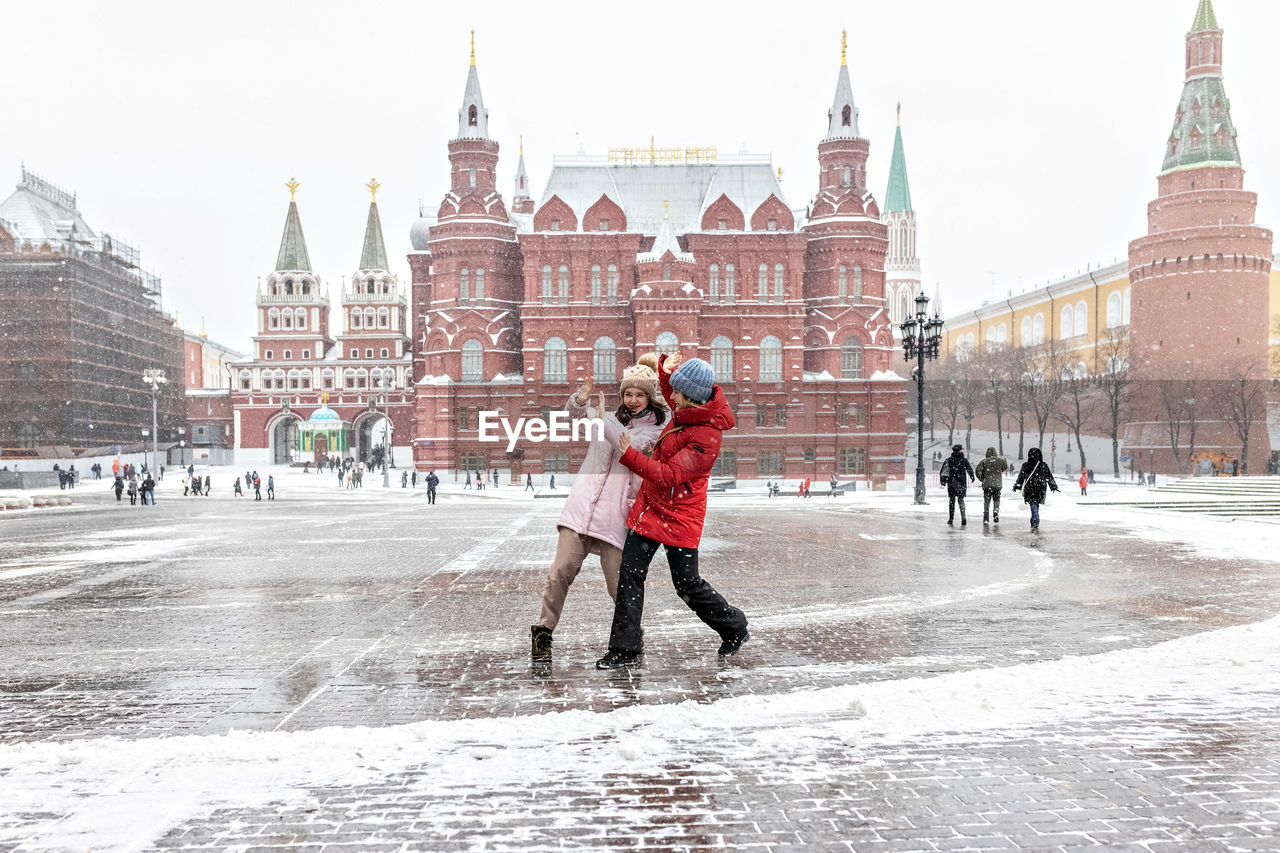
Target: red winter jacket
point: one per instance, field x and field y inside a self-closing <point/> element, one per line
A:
<point x="672" y="503"/>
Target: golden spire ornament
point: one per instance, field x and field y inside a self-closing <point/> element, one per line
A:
<point x="473" y="47"/>
<point x="293" y="187"/>
<point x="373" y="188"/>
<point x="666" y="209"/>
<point x="899" y="113"/>
<point x="844" y="45"/>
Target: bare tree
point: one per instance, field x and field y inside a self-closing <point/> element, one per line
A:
<point x="1179" y="397"/>
<point x="945" y="394"/>
<point x="1241" y="398"/>
<point x="1047" y="386"/>
<point x="995" y="388"/>
<point x="1019" y="373"/>
<point x="1116" y="385"/>
<point x="969" y="393"/>
<point x="1079" y="402"/>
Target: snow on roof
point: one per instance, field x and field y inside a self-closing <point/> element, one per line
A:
<point x="38" y="212"/>
<point x="640" y="189"/>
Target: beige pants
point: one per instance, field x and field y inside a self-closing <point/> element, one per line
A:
<point x="571" y="550"/>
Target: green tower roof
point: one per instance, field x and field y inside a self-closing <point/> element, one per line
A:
<point x="293" y="246"/>
<point x="1205" y="19"/>
<point x="374" y="254"/>
<point x="898" y="196"/>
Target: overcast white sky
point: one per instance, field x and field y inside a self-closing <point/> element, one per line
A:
<point x="1033" y="131"/>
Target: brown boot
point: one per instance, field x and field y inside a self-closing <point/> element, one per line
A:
<point x="541" y="648"/>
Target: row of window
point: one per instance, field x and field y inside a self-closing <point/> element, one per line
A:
<point x="1072" y="322"/>
<point x="286" y="318"/>
<point x="300" y="380"/>
<point x="352" y="352"/>
<point x="604" y="285"/>
<point x="604" y="360"/>
<point x="369" y="318"/>
<point x="288" y="287"/>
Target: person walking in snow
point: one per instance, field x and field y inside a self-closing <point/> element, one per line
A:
<point x="1035" y="480"/>
<point x="1084" y="483"/>
<point x="432" y="482"/>
<point x="118" y="485"/>
<point x="594" y="519"/>
<point x="271" y="487"/>
<point x="671" y="509"/>
<point x="953" y="473"/>
<point x="238" y="493"/>
<point x="133" y="490"/>
<point x="991" y="472"/>
<point x="467" y="485"/>
<point x="528" y="482"/>
<point x="257" y="487"/>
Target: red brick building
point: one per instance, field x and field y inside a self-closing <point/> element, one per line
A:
<point x="659" y="249"/>
<point x="309" y="390"/>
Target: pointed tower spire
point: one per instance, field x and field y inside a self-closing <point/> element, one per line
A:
<point x="473" y="118"/>
<point x="521" y="201"/>
<point x="842" y="119"/>
<point x="373" y="255"/>
<point x="898" y="195"/>
<point x="1205" y="19"/>
<point x="1203" y="133"/>
<point x="293" y="246"/>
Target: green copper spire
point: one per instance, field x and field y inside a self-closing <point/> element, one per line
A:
<point x="293" y="246"/>
<point x="1205" y="19"/>
<point x="374" y="254"/>
<point x="898" y="196"/>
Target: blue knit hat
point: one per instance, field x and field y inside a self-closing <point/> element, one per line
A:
<point x="693" y="379"/>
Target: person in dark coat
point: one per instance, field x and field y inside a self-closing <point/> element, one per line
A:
<point x="1035" y="479"/>
<point x="953" y="473"/>
<point x="991" y="472"/>
<point x="238" y="493"/>
<point x="432" y="482"/>
<point x="271" y="487"/>
<point x="119" y="487"/>
<point x="671" y="508"/>
<point x="528" y="482"/>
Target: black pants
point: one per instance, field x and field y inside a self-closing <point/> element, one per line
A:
<point x="954" y="499"/>
<point x="990" y="502"/>
<point x="637" y="552"/>
<point x="431" y="495"/>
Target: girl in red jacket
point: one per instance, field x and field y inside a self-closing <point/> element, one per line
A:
<point x="670" y="511"/>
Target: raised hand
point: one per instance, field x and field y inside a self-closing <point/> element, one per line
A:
<point x="584" y="391"/>
<point x="624" y="441"/>
<point x="671" y="362"/>
<point x="600" y="406"/>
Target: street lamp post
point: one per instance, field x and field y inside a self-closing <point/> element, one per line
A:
<point x="155" y="379"/>
<point x="921" y="337"/>
<point x="385" y="387"/>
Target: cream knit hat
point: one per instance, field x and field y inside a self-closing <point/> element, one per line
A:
<point x="644" y="376"/>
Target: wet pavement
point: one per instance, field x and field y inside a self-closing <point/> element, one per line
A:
<point x="207" y="616"/>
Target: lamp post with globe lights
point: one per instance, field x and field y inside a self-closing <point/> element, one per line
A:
<point x="921" y="338"/>
<point x="155" y="380"/>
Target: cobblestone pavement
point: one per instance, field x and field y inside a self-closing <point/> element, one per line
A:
<point x="206" y="616"/>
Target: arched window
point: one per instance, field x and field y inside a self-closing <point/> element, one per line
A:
<point x="349" y="378"/>
<point x="300" y="318"/>
<point x="613" y="284"/>
<point x="770" y="359"/>
<point x="595" y="284"/>
<point x="730" y="284"/>
<point x="273" y="318"/>
<point x="722" y="358"/>
<point x="842" y="283"/>
<point x="857" y="284"/>
<point x="1024" y="338"/>
<point x="762" y="283"/>
<point x="1066" y="323"/>
<point x="564" y="285"/>
<point x="479" y="285"/>
<point x="846" y="116"/>
<point x="384" y="318"/>
<point x="286" y="319"/>
<point x="326" y="378"/>
<point x="355" y="318"/>
<point x="472" y="361"/>
<point x="370" y="318"/>
<point x="851" y="359"/>
<point x="779" y="282"/>
<point x="295" y="380"/>
<point x="471" y="116"/>
<point x="667" y="343"/>
<point x="246" y="380"/>
<point x="464" y="286"/>
<point x="546" y="284"/>
<point x="1082" y="318"/>
<point x="28" y="435"/>
<point x="1002" y="335"/>
<point x="555" y="362"/>
<point x="604" y="360"/>
<point x="1082" y="370"/>
<point x="362" y="378"/>
<point x="1124" y="313"/>
<point x="1037" y="329"/>
<point x="1114" y="310"/>
<point x="713" y="280"/>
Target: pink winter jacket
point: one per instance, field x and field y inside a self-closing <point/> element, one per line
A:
<point x="604" y="490"/>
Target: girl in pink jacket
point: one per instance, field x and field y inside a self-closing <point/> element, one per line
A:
<point x="594" y="520"/>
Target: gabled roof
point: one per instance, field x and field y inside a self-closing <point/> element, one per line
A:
<point x="38" y="212"/>
<point x="641" y="189"/>
<point x="898" y="195"/>
<point x="373" y="255"/>
<point x="1205" y="19"/>
<point x="665" y="242"/>
<point x="293" y="246"/>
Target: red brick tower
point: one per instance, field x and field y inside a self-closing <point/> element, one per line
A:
<point x="1200" y="276"/>
<point x="468" y="286"/>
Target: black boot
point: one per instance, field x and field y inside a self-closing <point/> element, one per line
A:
<point x="732" y="644"/>
<point x="618" y="660"/>
<point x="541" y="649"/>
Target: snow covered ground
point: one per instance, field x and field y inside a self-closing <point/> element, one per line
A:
<point x="1121" y="705"/>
